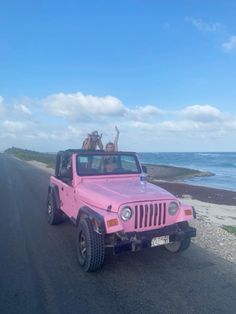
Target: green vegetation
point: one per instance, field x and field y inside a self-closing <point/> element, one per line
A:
<point x="25" y="154"/>
<point x="230" y="229"/>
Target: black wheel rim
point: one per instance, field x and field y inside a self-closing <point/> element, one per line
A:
<point x="49" y="209"/>
<point x="82" y="245"/>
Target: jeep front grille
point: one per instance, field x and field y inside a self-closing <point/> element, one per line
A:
<point x="149" y="215"/>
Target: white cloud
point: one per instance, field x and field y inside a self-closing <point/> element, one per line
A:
<point x="36" y="135"/>
<point x="75" y="130"/>
<point x="173" y="126"/>
<point x="230" y="44"/>
<point x="178" y="126"/>
<point x="142" y="125"/>
<point x="202" y="113"/>
<point x="201" y="26"/>
<point x="80" y="106"/>
<point x="144" y="112"/>
<point x="141" y="128"/>
<point x="13" y="126"/>
<point x="230" y="124"/>
<point x="205" y="27"/>
<point x="88" y="108"/>
<point x="22" y="109"/>
<point x="2" y="106"/>
<point x="149" y="110"/>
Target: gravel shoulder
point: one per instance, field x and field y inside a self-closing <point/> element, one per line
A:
<point x="213" y="238"/>
<point x="41" y="165"/>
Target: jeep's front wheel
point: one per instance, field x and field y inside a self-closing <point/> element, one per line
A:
<point x="178" y="246"/>
<point x="90" y="246"/>
<point x="54" y="214"/>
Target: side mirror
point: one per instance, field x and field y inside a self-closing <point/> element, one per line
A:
<point x="144" y="169"/>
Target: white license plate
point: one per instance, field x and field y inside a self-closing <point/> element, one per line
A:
<point x="160" y="241"/>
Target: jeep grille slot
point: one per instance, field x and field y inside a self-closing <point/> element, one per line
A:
<point x="141" y="216"/>
<point x="148" y="215"/>
<point x="164" y="214"/>
<point x="159" y="216"/>
<point x="155" y="216"/>
<point x="136" y="217"/>
<point x="151" y="214"/>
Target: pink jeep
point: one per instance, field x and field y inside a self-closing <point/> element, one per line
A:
<point x="107" y="197"/>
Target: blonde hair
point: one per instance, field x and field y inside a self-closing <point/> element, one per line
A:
<point x="110" y="143"/>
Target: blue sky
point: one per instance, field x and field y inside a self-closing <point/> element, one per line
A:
<point x="163" y="71"/>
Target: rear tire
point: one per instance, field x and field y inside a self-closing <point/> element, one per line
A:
<point x="54" y="214"/>
<point x="90" y="246"/>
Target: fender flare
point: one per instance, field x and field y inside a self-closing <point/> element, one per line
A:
<point x="96" y="219"/>
<point x="55" y="192"/>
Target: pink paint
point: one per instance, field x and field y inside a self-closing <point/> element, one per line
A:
<point x="108" y="194"/>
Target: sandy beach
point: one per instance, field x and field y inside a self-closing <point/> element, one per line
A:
<point x="218" y="206"/>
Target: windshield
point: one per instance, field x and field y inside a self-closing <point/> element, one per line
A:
<point x="103" y="164"/>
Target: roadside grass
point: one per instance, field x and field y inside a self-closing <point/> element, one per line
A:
<point x="230" y="229"/>
<point x="47" y="158"/>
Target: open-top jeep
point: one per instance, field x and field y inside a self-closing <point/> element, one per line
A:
<point x="111" y="204"/>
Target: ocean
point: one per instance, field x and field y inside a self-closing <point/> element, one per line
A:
<point x="223" y="165"/>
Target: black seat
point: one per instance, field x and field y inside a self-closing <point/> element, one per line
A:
<point x="83" y="168"/>
<point x="66" y="174"/>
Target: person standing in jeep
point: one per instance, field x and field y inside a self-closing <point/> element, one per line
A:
<point x="113" y="147"/>
<point x="110" y="162"/>
<point x="93" y="141"/>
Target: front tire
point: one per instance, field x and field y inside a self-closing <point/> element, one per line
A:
<point x="53" y="213"/>
<point x="178" y="246"/>
<point x="90" y="246"/>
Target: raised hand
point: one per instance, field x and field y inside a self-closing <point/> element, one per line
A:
<point x="117" y="130"/>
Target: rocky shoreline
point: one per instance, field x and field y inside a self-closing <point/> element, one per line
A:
<point x="172" y="173"/>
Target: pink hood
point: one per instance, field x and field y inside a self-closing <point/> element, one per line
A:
<point x="116" y="192"/>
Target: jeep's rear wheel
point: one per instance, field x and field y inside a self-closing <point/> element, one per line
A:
<point x="90" y="246"/>
<point x="54" y="214"/>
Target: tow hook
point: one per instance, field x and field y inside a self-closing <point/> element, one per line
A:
<point x="136" y="244"/>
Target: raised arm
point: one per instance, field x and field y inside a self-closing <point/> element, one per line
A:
<point x="116" y="139"/>
<point x="87" y="143"/>
<point x="99" y="142"/>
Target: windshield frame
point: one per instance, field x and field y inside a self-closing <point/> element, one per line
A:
<point x="103" y="153"/>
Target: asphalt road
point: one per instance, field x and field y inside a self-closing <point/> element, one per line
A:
<point x="39" y="271"/>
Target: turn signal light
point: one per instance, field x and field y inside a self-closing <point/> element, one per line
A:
<point x="112" y="222"/>
<point x="188" y="212"/>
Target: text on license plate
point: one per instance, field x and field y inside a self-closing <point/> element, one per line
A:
<point x="160" y="241"/>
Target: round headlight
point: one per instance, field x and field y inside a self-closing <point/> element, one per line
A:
<point x="173" y="208"/>
<point x="126" y="213"/>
